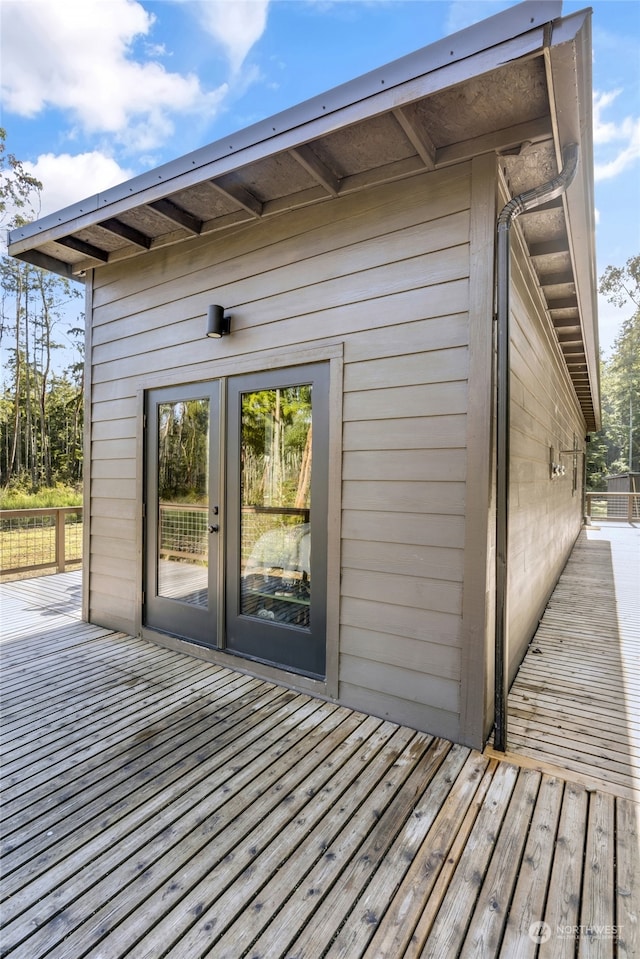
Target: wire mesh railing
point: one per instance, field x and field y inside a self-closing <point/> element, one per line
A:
<point x="183" y="532"/>
<point x="620" y="506"/>
<point x="36" y="540"/>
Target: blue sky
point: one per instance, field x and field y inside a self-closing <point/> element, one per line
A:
<point x="96" y="91"/>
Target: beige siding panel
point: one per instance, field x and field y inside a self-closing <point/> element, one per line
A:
<point x="120" y="489"/>
<point x="440" y="660"/>
<point x="123" y="448"/>
<point x="409" y="528"/>
<point x="173" y="324"/>
<point x="396" y="464"/>
<point x="438" y="722"/>
<point x="122" y="591"/>
<point x="437" y="367"/>
<point x="114" y="469"/>
<point x="421" y="435"/>
<point x="404" y="497"/>
<point x="324" y="323"/>
<point x="379" y="253"/>
<point x="402" y="683"/>
<point x="435" y="333"/>
<point x="114" y="428"/>
<point x="115" y="409"/>
<point x="173" y="345"/>
<point x="438" y="595"/>
<point x="430" y="399"/>
<point x="441" y="629"/>
<point x="120" y="548"/>
<point x="112" y="527"/>
<point x="105" y="564"/>
<point x="116" y="509"/>
<point x="112" y="613"/>
<point x="545" y="514"/>
<point x="285" y="239"/>
<point x="114" y="390"/>
<point x="430" y="562"/>
<point x="403" y="471"/>
<point x="335" y="323"/>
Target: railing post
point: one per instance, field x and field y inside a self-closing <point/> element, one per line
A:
<point x="60" y="539"/>
<point x="630" y="508"/>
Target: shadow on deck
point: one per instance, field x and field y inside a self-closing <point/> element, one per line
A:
<point x="156" y="805"/>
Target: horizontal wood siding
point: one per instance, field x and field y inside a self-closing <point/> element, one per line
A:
<point x="545" y="513"/>
<point x="386" y="274"/>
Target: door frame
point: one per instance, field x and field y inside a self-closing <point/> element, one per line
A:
<point x="224" y="367"/>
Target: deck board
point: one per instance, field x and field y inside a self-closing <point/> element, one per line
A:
<point x="575" y="703"/>
<point x="157" y="805"/>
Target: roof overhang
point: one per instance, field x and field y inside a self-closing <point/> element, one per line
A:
<point x="517" y="85"/>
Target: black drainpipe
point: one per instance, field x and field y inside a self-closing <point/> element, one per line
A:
<point x="525" y="201"/>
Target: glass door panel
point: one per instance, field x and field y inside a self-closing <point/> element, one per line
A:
<point x="278" y="448"/>
<point x="181" y="511"/>
<point x="183" y="501"/>
<point x="275" y="534"/>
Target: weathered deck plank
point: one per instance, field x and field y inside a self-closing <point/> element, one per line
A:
<point x="563" y="899"/>
<point x="598" y="885"/>
<point x="574" y="706"/>
<point x="530" y="892"/>
<point x="157" y="805"/>
<point x="627" y="888"/>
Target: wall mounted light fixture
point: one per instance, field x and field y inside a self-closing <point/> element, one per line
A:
<point x="556" y="468"/>
<point x="217" y="323"/>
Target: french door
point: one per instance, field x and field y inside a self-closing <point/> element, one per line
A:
<point x="182" y="511"/>
<point x="254" y="560"/>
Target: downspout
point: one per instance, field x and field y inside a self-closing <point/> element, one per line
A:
<point x="528" y="200"/>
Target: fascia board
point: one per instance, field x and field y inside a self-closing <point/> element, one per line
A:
<point x="570" y="66"/>
<point x="516" y="32"/>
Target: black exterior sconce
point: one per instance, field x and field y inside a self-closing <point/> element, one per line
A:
<point x="217" y="323"/>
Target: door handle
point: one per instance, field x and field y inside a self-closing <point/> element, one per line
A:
<point x="214" y="529"/>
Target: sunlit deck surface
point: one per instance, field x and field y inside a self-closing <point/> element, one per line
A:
<point x="157" y="805"/>
<point x="575" y="703"/>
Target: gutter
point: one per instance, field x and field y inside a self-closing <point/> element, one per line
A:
<point x="528" y="200"/>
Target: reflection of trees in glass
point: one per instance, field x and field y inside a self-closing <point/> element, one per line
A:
<point x="183" y="437"/>
<point x="276" y="447"/>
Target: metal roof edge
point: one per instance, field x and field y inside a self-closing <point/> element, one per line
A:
<point x="495" y="30"/>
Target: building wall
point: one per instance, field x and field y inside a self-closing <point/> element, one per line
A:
<point x="545" y="513"/>
<point x="385" y="274"/>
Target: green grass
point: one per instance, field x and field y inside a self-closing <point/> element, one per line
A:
<point x="49" y="497"/>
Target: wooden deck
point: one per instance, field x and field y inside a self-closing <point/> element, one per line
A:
<point x="574" y="708"/>
<point x="156" y="805"/>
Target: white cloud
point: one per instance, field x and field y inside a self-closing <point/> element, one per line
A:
<point x="78" y="56"/>
<point x="235" y="24"/>
<point x="66" y="179"/>
<point x="623" y="136"/>
<point x="464" y="13"/>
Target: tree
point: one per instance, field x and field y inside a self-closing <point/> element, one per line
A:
<point x="19" y="190"/>
<point x="616" y="448"/>
<point x="33" y="303"/>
